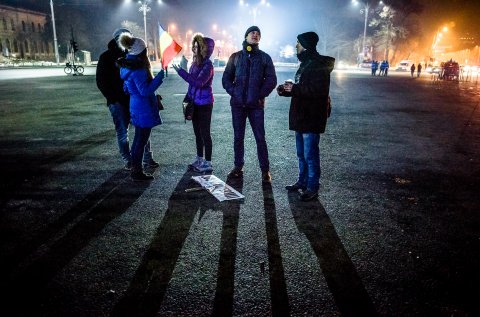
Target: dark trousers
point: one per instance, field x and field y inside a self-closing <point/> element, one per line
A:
<point x="142" y="135"/>
<point x="202" y="118"/>
<point x="239" y="120"/>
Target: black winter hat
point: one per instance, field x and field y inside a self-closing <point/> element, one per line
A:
<point x="308" y="40"/>
<point x="251" y="29"/>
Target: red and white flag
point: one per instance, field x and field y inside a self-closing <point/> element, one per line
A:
<point x="168" y="47"/>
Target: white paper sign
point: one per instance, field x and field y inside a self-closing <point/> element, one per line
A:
<point x="218" y="188"/>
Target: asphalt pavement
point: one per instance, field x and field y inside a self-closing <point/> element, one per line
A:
<point x="395" y="231"/>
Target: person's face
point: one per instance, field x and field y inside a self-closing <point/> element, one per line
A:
<point x="299" y="48"/>
<point x="195" y="47"/>
<point x="253" y="37"/>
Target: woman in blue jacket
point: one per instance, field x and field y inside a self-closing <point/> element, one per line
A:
<point x="199" y="80"/>
<point x="136" y="72"/>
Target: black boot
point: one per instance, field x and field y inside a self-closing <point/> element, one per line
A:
<point x="139" y="175"/>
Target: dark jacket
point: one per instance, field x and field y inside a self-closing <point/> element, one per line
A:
<point x="309" y="104"/>
<point x="249" y="78"/>
<point x="108" y="75"/>
<point x="200" y="77"/>
<point x="141" y="87"/>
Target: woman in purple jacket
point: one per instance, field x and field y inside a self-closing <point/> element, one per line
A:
<point x="199" y="80"/>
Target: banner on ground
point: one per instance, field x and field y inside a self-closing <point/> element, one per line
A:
<point x="218" y="188"/>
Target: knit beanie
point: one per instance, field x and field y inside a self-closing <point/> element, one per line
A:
<point x="134" y="45"/>
<point x="308" y="40"/>
<point x="251" y="29"/>
<point x="117" y="32"/>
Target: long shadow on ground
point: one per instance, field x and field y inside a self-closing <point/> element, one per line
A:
<point x="15" y="168"/>
<point x="223" y="303"/>
<point x="147" y="289"/>
<point x="24" y="290"/>
<point x="278" y="286"/>
<point x="341" y="276"/>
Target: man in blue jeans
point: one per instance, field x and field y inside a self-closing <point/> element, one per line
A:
<point x="111" y="86"/>
<point x="309" y="110"/>
<point x="248" y="78"/>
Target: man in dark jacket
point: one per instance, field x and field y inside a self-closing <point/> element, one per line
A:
<point x="309" y="110"/>
<point x="111" y="86"/>
<point x="248" y="78"/>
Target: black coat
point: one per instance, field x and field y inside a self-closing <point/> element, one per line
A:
<point x="108" y="75"/>
<point x="309" y="104"/>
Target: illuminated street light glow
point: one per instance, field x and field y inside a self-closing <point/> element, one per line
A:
<point x="254" y="8"/>
<point x="365" y="10"/>
<point x="436" y="39"/>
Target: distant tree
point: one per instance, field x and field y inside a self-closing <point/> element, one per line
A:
<point x="387" y="31"/>
<point x="407" y="18"/>
<point x="333" y="40"/>
<point x="134" y="28"/>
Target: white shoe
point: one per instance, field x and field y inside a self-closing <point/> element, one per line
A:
<point x="196" y="163"/>
<point x="206" y="166"/>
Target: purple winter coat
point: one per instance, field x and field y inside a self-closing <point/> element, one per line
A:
<point x="200" y="77"/>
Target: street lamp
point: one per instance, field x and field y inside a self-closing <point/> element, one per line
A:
<point x="144" y="8"/>
<point x="365" y="10"/>
<point x="254" y="11"/>
<point x="437" y="37"/>
<point x="55" y="43"/>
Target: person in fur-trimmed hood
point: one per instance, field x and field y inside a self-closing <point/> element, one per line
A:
<point x="199" y="79"/>
<point x="309" y="110"/>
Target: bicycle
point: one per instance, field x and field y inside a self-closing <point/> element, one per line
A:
<point x="77" y="69"/>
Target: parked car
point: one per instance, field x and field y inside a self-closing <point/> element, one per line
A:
<point x="365" y="64"/>
<point x="404" y="65"/>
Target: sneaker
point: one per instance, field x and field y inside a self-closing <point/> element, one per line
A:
<point x="295" y="187"/>
<point x="196" y="163"/>
<point x="141" y="176"/>
<point x="206" y="166"/>
<point x="236" y="172"/>
<point x="151" y="164"/>
<point x="308" y="195"/>
<point x="128" y="166"/>
<point x="266" y="177"/>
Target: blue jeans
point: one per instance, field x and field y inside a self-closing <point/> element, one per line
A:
<point x="308" y="153"/>
<point x="239" y="120"/>
<point x="140" y="140"/>
<point x="121" y="119"/>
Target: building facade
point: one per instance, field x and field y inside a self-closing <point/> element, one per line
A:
<point x="24" y="35"/>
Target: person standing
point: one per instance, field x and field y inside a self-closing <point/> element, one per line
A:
<point x="199" y="79"/>
<point x="309" y="110"/>
<point x="412" y="70"/>
<point x="111" y="86"/>
<point x="249" y="78"/>
<point x="374" y="67"/>
<point x="419" y="69"/>
<point x="136" y="72"/>
<point x="383" y="64"/>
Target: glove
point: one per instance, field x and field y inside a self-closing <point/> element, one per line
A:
<point x="161" y="74"/>
<point x="184" y="63"/>
<point x="176" y="67"/>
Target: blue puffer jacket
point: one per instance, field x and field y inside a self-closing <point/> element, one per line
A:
<point x="143" y="104"/>
<point x="249" y="78"/>
<point x="200" y="77"/>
